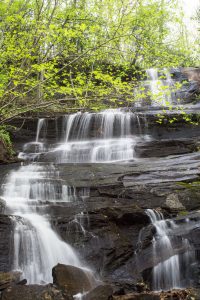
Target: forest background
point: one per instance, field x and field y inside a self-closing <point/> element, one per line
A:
<point x="60" y="55"/>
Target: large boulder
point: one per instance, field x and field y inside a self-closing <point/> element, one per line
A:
<point x="35" y="292"/>
<point x="72" y="279"/>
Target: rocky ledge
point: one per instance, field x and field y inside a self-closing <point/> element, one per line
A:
<point x="73" y="283"/>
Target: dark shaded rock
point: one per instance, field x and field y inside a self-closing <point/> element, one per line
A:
<point x="106" y="237"/>
<point x="6" y="243"/>
<point x="165" y="147"/>
<point x="72" y="279"/>
<point x="22" y="282"/>
<point x="101" y="292"/>
<point x="35" y="292"/>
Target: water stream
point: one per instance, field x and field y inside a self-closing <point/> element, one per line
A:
<point x="175" y="254"/>
<point x="161" y="87"/>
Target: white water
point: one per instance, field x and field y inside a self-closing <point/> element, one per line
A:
<point x="37" y="248"/>
<point x="108" y="136"/>
<point x="105" y="137"/>
<point x="100" y="137"/>
<point x="167" y="274"/>
<point x="40" y="125"/>
<point x="161" y="89"/>
<point x="38" y="146"/>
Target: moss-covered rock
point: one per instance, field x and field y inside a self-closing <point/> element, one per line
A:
<point x="7" y="152"/>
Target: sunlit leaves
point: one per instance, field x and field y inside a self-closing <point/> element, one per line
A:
<point x="89" y="50"/>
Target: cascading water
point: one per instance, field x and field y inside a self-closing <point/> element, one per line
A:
<point x="38" y="145"/>
<point x="40" y="125"/>
<point x="88" y="137"/>
<point x="99" y="137"/>
<point x="161" y="89"/>
<point x="171" y="271"/>
<point x="108" y="136"/>
<point x="37" y="248"/>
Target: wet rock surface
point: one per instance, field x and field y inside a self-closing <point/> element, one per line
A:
<point x="108" y="225"/>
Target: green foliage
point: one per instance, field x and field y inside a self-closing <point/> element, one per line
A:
<point x="84" y="52"/>
<point x="5" y="138"/>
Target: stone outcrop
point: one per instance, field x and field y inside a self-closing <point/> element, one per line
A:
<point x="72" y="279"/>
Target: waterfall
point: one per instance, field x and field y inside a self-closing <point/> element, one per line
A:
<point x="161" y="89"/>
<point x="108" y="136"/>
<point x="104" y="137"/>
<point x="171" y="271"/>
<point x="37" y="248"/>
<point x="41" y="123"/>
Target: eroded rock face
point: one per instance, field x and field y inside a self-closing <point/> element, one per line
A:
<point x="72" y="279"/>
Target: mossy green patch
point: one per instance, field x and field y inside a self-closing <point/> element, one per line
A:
<point x="5" y="138"/>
